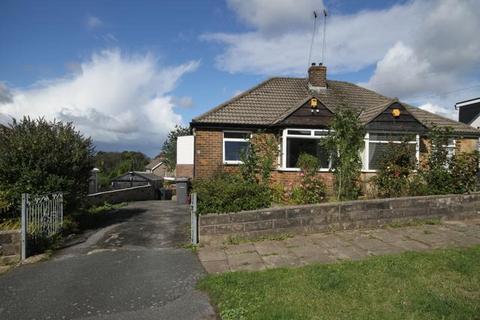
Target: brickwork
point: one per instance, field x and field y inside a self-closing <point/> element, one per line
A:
<point x="209" y="159"/>
<point x="467" y="145"/>
<point x="338" y="216"/>
<point x="184" y="171"/>
<point x="317" y="76"/>
<point x="208" y="152"/>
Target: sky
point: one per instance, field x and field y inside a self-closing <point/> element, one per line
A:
<point x="126" y="72"/>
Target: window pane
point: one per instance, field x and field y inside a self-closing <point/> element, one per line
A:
<point x="321" y="133"/>
<point x="297" y="146"/>
<point x="300" y="132"/>
<point x="233" y="150"/>
<point x="377" y="152"/>
<point x="391" y="136"/>
<point x="236" y="135"/>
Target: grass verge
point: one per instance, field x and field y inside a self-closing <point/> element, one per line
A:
<point x="442" y="284"/>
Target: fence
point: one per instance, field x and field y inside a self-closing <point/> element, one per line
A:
<point x="42" y="217"/>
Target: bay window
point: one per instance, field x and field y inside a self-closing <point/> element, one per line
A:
<point x="376" y="144"/>
<point x="298" y="141"/>
<point x="234" y="144"/>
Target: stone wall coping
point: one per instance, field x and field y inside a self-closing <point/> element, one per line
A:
<point x="339" y="203"/>
<point x="15" y="231"/>
<point x="118" y="190"/>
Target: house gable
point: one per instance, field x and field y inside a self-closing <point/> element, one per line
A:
<point x="306" y="116"/>
<point x="386" y="121"/>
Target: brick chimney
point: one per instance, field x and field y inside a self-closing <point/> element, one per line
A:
<point x="317" y="77"/>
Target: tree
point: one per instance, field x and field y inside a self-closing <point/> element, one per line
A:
<point x="37" y="156"/>
<point x="345" y="142"/>
<point x="169" y="148"/>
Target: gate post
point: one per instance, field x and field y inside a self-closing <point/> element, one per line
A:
<point x="194" y="219"/>
<point x="24" y="226"/>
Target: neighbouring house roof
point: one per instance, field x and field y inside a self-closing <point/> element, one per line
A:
<point x="469" y="110"/>
<point x="154" y="163"/>
<point x="274" y="99"/>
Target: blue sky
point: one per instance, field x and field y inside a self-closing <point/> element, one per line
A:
<point x="126" y="71"/>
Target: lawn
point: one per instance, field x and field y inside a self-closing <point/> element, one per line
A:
<point x="443" y="284"/>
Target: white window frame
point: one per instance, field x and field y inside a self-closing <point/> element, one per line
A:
<point x="249" y="133"/>
<point x="283" y="163"/>
<point x="451" y="147"/>
<point x="366" y="152"/>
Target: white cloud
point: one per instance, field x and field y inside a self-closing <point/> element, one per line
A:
<point x="422" y="49"/>
<point x="92" y="22"/>
<point x="5" y="94"/>
<point x="117" y="99"/>
<point x="184" y="102"/>
<point x="276" y="16"/>
<point x="353" y="41"/>
<point x="401" y="72"/>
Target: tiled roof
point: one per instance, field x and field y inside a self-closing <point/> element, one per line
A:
<point x="274" y="99"/>
<point x="152" y="164"/>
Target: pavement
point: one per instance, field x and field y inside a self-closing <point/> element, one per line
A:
<point x="135" y="268"/>
<point x="300" y="250"/>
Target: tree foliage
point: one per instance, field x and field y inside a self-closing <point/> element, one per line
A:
<point x="259" y="159"/>
<point x="311" y="189"/>
<point x="395" y="176"/>
<point x="345" y="142"/>
<point x="169" y="148"/>
<point x="38" y="156"/>
<point x="435" y="171"/>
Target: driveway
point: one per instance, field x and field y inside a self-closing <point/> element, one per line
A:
<point x="133" y="269"/>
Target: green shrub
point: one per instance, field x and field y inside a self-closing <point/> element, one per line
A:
<point x="436" y="171"/>
<point x="227" y="192"/>
<point x="311" y="188"/>
<point x="464" y="168"/>
<point x="395" y="176"/>
<point x="37" y="156"/>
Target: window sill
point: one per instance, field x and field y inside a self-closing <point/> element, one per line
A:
<point x="298" y="170"/>
<point x="232" y="163"/>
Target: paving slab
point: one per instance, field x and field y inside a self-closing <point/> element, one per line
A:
<point x="337" y="246"/>
<point x="216" y="266"/>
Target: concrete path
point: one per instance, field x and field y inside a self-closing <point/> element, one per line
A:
<point x="133" y="269"/>
<point x="333" y="247"/>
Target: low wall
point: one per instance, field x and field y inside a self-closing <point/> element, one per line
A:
<point x="338" y="216"/>
<point x="9" y="247"/>
<point x="123" y="195"/>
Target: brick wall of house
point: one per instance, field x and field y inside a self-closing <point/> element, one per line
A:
<point x="467" y="145"/>
<point x="208" y="152"/>
<point x="209" y="159"/>
<point x="184" y="171"/>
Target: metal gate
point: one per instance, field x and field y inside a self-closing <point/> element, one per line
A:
<point x="42" y="217"/>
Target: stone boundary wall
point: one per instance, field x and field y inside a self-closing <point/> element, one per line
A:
<point x="139" y="193"/>
<point x="337" y="216"/>
<point x="9" y="247"/>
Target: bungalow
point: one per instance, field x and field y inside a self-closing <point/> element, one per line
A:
<point x="299" y="111"/>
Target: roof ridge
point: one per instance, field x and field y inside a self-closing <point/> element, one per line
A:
<point x="232" y="99"/>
